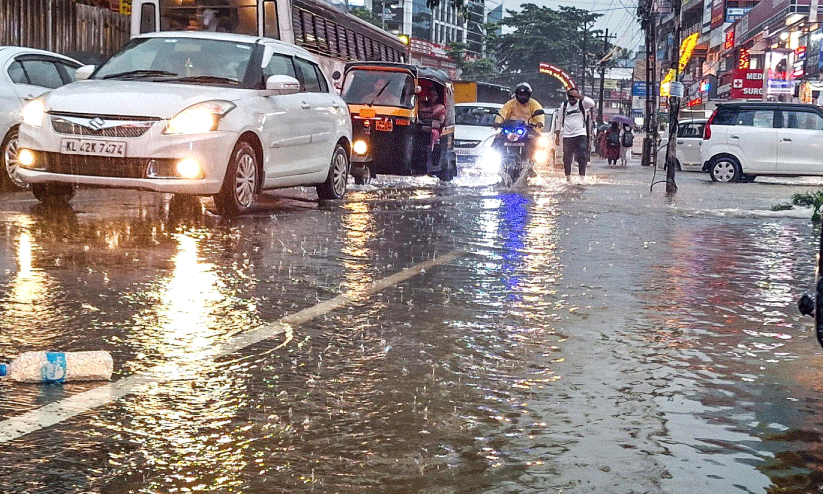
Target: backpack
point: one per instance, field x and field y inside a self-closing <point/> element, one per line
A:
<point x="612" y="139"/>
<point x="562" y="119"/>
<point x="628" y="139"/>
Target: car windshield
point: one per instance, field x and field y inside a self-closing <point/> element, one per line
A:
<point x="378" y="87"/>
<point x="482" y="116"/>
<point x="183" y="60"/>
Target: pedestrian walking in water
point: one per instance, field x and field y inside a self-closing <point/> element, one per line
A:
<point x="573" y="128"/>
<point x="612" y="148"/>
<point x="626" y="143"/>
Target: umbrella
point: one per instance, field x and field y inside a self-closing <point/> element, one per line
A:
<point x="622" y="119"/>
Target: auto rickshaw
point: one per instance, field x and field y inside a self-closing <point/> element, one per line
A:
<point x="402" y="120"/>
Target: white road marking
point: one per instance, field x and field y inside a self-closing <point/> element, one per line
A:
<point x="62" y="410"/>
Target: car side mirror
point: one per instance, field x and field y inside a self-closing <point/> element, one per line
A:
<point x="282" y="84"/>
<point x="336" y="75"/>
<point x="84" y="72"/>
<point x="537" y="112"/>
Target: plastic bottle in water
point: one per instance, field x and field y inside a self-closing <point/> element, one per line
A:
<point x="58" y="367"/>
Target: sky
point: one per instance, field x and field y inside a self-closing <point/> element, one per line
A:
<point x="619" y="16"/>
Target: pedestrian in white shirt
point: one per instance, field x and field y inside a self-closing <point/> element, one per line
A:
<point x="573" y="128"/>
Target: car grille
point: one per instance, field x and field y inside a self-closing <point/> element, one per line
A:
<point x="460" y="143"/>
<point x="100" y="166"/>
<point x="108" y="127"/>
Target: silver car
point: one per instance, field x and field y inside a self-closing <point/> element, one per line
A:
<point x="25" y="74"/>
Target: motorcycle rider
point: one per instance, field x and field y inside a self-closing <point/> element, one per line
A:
<point x="521" y="107"/>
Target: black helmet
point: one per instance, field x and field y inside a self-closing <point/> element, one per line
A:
<point x="523" y="92"/>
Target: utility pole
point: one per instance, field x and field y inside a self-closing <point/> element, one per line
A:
<point x="674" y="103"/>
<point x="585" y="39"/>
<point x="647" y="16"/>
<point x="603" y="73"/>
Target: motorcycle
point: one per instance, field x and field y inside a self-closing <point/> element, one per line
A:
<point x="516" y="150"/>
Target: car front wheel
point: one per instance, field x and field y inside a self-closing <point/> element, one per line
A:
<point x="11" y="162"/>
<point x="725" y="169"/>
<point x="240" y="183"/>
<point x="335" y="185"/>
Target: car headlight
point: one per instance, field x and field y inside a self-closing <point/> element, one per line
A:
<point x="200" y="118"/>
<point x="33" y="113"/>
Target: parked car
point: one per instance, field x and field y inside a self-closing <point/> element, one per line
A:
<point x="555" y="151"/>
<point x="197" y="113"/>
<point x="689" y="140"/>
<point x="25" y="74"/>
<point x="743" y="140"/>
<point x="473" y="131"/>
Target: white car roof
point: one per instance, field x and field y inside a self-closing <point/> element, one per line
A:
<point x="237" y="38"/>
<point x="481" y="104"/>
<point x="10" y="51"/>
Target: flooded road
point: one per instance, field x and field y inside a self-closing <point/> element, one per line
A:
<point x="419" y="338"/>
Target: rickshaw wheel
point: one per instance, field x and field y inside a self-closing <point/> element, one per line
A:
<point x="363" y="178"/>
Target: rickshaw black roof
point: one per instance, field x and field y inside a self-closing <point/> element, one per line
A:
<point x="425" y="72"/>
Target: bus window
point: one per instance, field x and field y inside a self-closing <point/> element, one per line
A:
<point x="148" y="22"/>
<point x="270" y="27"/>
<point x="228" y="16"/>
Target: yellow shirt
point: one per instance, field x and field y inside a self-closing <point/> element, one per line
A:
<point x="513" y="110"/>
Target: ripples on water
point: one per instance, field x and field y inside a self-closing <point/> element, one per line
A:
<point x="571" y="350"/>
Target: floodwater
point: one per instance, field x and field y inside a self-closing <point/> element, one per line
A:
<point x="562" y="338"/>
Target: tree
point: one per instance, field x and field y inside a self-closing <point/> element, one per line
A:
<point x="472" y="70"/>
<point x="572" y="44"/>
<point x="367" y="15"/>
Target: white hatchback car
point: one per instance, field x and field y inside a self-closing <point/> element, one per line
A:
<point x="745" y="139"/>
<point x="473" y="131"/>
<point x="689" y="139"/>
<point x="194" y="113"/>
<point x="25" y="74"/>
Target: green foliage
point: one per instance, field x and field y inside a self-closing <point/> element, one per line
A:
<point x="563" y="37"/>
<point x="367" y="15"/>
<point x="483" y="69"/>
<point x="813" y="199"/>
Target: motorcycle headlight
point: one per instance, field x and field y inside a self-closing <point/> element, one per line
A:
<point x="33" y="113"/>
<point x="490" y="161"/>
<point x="543" y="141"/>
<point x="200" y="118"/>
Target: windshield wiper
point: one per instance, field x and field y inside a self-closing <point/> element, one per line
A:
<point x="139" y="73"/>
<point x="204" y="78"/>
<point x="379" y="92"/>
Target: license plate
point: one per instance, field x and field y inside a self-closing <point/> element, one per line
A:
<point x="385" y="125"/>
<point x="94" y="147"/>
<point x="517" y="144"/>
<point x="461" y="151"/>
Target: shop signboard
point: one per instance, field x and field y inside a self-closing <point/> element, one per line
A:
<point x="718" y="6"/>
<point x="640" y="88"/>
<point x="747" y="84"/>
<point x="729" y="43"/>
<point x="780" y="78"/>
<point x="734" y="13"/>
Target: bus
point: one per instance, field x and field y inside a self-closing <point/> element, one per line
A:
<point x="332" y="34"/>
